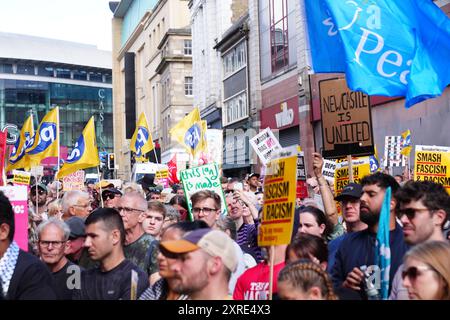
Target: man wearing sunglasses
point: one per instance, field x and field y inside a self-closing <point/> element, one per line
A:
<point x="357" y="250"/>
<point x="111" y="197"/>
<point x="132" y="208"/>
<point x="424" y="208"/>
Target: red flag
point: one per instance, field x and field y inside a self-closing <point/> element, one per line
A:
<point x="3" y="135"/>
<point x="172" y="164"/>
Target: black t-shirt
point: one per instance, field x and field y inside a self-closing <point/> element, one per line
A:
<point x="64" y="287"/>
<point x="111" y="285"/>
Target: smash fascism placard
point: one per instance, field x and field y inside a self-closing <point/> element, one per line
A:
<point x="432" y="163"/>
<point x="279" y="199"/>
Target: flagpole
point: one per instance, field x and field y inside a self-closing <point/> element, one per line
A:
<point x="58" y="137"/>
<point x="156" y="157"/>
<point x="100" y="185"/>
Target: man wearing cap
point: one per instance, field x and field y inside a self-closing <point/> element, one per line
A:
<point x="53" y="243"/>
<point x="38" y="213"/>
<point x="111" y="197"/>
<point x="204" y="261"/>
<point x="253" y="180"/>
<point x="75" y="252"/>
<point x="349" y="200"/>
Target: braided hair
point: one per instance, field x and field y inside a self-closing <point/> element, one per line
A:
<point x="305" y="274"/>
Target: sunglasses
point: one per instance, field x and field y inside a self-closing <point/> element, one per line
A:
<point x="410" y="213"/>
<point x="108" y="195"/>
<point x="414" y="272"/>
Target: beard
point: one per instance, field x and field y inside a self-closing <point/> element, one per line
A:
<point x="370" y="218"/>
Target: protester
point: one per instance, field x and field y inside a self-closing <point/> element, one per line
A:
<point x="111" y="197"/>
<point x="137" y="243"/>
<point x="37" y="207"/>
<point x="172" y="217"/>
<point x="308" y="246"/>
<point x="55" y="209"/>
<point x="203" y="265"/>
<point x="253" y="180"/>
<point x="253" y="284"/>
<point x="105" y="237"/>
<point x="179" y="203"/>
<point x="53" y="243"/>
<point x="206" y="206"/>
<point x="76" y="252"/>
<point x="426" y="273"/>
<point x="22" y="275"/>
<point x="424" y="207"/>
<point x="240" y="210"/>
<point x="304" y="280"/>
<point x="154" y="195"/>
<point x="162" y="289"/>
<point x="314" y="221"/>
<point x="349" y="201"/>
<point x="357" y="250"/>
<point x="76" y="203"/>
<point x="154" y="218"/>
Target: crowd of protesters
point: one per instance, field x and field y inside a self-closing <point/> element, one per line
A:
<point x="138" y="242"/>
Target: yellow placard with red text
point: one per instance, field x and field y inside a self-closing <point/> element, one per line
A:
<point x="280" y="188"/>
<point x="432" y="163"/>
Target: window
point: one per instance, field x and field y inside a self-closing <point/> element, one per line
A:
<point x="79" y="75"/>
<point x="6" y="68"/>
<point x="45" y="71"/>
<point x="25" y="69"/>
<point x="108" y="78"/>
<point x="279" y="34"/>
<point x="95" y="76"/>
<point x="62" y="73"/>
<point x="234" y="59"/>
<point x="188" y="47"/>
<point x="188" y="90"/>
<point x="235" y="108"/>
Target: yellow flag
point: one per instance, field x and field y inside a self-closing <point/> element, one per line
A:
<point x="18" y="157"/>
<point x="190" y="132"/>
<point x="406" y="143"/>
<point x="142" y="141"/>
<point x="45" y="142"/>
<point x="84" y="154"/>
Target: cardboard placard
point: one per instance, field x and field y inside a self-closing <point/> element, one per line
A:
<point x="360" y="168"/>
<point x="432" y="163"/>
<point x="74" y="181"/>
<point x="346" y="120"/>
<point x="280" y="191"/>
<point x="205" y="177"/>
<point x="265" y="144"/>
<point x="21" y="178"/>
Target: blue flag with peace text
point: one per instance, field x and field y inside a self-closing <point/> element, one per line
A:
<point x="385" y="47"/>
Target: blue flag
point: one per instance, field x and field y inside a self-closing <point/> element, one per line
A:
<point x="383" y="249"/>
<point x="385" y="47"/>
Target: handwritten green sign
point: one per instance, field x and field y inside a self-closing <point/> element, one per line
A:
<point x="202" y="178"/>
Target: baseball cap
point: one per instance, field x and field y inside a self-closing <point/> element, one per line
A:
<point x="104" y="184"/>
<point x="214" y="242"/>
<point x="254" y="174"/>
<point x="76" y="226"/>
<point x="353" y="190"/>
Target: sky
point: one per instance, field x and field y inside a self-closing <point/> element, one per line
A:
<point x="83" y="21"/>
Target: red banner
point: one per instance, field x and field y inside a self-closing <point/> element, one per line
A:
<point x="3" y="135"/>
<point x="172" y="164"/>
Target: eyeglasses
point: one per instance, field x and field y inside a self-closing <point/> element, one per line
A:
<point x="206" y="211"/>
<point x="410" y="213"/>
<point x="127" y="210"/>
<point x="55" y="244"/>
<point x="413" y="272"/>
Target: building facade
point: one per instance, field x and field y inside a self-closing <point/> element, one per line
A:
<point x="152" y="73"/>
<point x="38" y="74"/>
